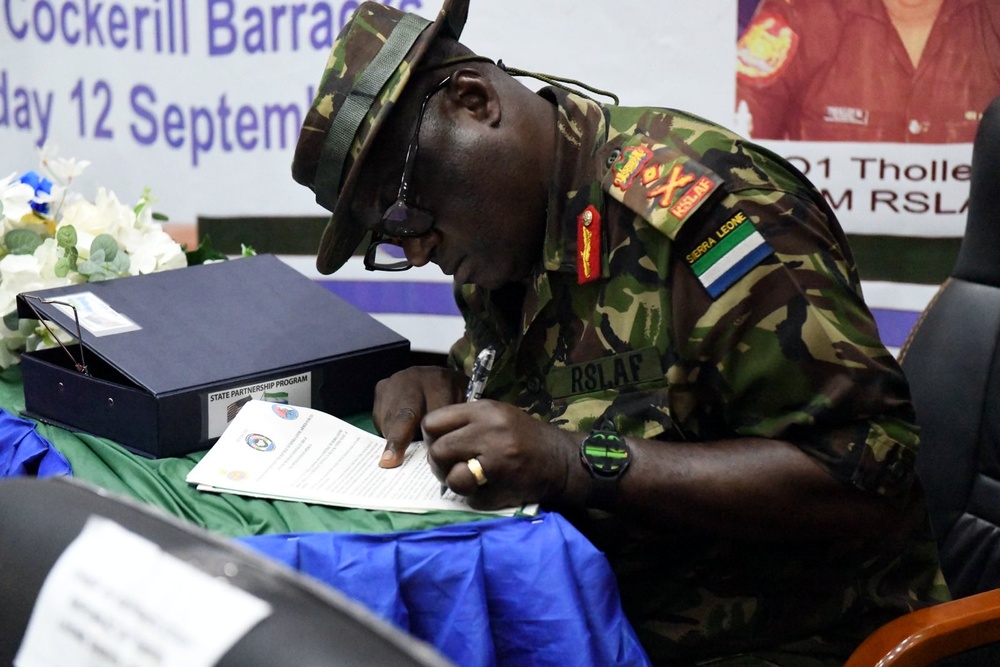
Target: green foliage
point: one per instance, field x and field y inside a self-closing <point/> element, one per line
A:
<point x="106" y="243"/>
<point x="147" y="200"/>
<point x="22" y="241"/>
<point x="66" y="236"/>
<point x="106" y="260"/>
<point x="66" y="241"/>
<point x="11" y="320"/>
<point x="203" y="253"/>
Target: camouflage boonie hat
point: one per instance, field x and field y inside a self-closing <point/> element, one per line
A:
<point x="369" y="66"/>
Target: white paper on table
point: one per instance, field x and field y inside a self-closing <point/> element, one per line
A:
<point x="294" y="453"/>
<point x="115" y="598"/>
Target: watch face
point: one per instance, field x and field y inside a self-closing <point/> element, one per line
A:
<point x="606" y="453"/>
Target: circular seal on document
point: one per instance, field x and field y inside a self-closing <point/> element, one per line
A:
<point x="285" y="411"/>
<point x="261" y="443"/>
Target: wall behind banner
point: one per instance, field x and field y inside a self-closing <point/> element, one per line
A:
<point x="201" y="100"/>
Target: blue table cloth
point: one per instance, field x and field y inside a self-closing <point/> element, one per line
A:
<point x="513" y="591"/>
<point x="24" y="452"/>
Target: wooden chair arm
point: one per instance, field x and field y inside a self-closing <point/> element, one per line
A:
<point x="927" y="635"/>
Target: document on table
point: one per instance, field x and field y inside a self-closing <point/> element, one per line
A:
<point x="284" y="452"/>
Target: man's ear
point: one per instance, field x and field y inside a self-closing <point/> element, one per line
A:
<point x="475" y="94"/>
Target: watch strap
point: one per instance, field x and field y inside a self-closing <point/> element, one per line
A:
<point x="603" y="493"/>
<point x="605" y="455"/>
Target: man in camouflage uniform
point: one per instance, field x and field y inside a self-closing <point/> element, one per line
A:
<point x="650" y="277"/>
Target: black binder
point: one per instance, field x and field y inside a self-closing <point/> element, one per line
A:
<point x="204" y="339"/>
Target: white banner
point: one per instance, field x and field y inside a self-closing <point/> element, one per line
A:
<point x="893" y="189"/>
<point x="201" y="101"/>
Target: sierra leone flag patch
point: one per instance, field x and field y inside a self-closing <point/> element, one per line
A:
<point x="728" y="254"/>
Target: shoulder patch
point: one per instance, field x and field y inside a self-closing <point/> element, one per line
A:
<point x="660" y="184"/>
<point x="628" y="166"/>
<point x="765" y="48"/>
<point x="727" y="254"/>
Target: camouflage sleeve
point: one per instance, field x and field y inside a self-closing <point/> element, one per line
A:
<point x="461" y="354"/>
<point x="789" y="350"/>
<point x="463" y="351"/>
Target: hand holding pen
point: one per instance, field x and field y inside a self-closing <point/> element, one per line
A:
<point x="481" y="368"/>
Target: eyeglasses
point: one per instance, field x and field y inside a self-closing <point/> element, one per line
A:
<point x="402" y="219"/>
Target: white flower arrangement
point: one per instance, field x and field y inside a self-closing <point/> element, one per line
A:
<point x="52" y="236"/>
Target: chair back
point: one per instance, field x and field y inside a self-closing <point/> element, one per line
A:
<point x="952" y="361"/>
<point x="309" y="624"/>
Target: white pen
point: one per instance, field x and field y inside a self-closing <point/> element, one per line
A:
<point x="481" y="368"/>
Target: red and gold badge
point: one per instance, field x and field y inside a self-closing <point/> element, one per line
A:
<point x="626" y="167"/>
<point x="588" y="245"/>
<point x="692" y="197"/>
<point x="675" y="180"/>
<point x="766" y="48"/>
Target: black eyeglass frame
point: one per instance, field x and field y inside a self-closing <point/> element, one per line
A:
<point x="402" y="219"/>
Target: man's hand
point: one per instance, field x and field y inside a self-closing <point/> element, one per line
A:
<point x="523" y="460"/>
<point x="402" y="400"/>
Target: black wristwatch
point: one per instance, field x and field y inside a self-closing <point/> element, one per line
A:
<point x="606" y="456"/>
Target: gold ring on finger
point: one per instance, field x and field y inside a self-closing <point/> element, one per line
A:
<point x="476" y="468"/>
